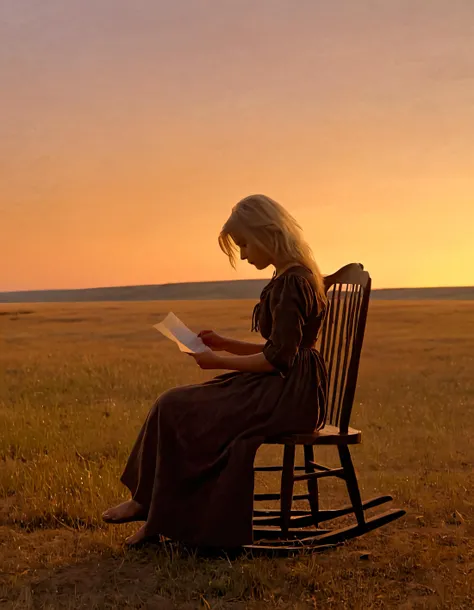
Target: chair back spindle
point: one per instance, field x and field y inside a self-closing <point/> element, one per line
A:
<point x="348" y="292"/>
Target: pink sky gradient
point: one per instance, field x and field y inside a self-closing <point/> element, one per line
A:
<point x="129" y="129"/>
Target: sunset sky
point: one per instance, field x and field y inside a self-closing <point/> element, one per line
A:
<point x="128" y="129"/>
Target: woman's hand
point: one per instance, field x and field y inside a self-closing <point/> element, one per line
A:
<point x="216" y="342"/>
<point x="207" y="360"/>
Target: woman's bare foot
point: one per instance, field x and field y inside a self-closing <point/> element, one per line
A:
<point x="125" y="512"/>
<point x="136" y="538"/>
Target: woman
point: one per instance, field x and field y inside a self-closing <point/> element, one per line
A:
<point x="190" y="472"/>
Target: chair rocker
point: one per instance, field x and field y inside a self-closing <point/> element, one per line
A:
<point x="289" y="530"/>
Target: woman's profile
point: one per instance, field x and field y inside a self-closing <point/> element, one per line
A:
<point x="190" y="472"/>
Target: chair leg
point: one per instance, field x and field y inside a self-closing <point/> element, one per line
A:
<point x="287" y="483"/>
<point x="351" y="483"/>
<point x="313" y="489"/>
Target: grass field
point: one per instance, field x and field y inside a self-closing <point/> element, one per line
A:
<point x="76" y="382"/>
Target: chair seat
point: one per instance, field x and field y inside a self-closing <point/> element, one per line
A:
<point x="329" y="435"/>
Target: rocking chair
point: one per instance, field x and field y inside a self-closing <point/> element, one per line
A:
<point x="286" y="529"/>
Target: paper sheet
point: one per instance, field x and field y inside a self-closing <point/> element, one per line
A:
<point x="187" y="341"/>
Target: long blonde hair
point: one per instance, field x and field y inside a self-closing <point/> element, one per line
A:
<point x="274" y="230"/>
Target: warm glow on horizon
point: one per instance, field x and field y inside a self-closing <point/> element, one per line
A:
<point x="130" y="130"/>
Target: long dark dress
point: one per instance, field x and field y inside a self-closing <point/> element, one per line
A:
<point x="192" y="463"/>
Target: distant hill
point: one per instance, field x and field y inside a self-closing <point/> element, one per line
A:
<point x="234" y="289"/>
<point x="454" y="293"/>
<point x="237" y="289"/>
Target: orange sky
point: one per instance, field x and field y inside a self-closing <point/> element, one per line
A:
<point x="129" y="129"/>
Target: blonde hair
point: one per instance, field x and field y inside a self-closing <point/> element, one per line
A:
<point x="274" y="230"/>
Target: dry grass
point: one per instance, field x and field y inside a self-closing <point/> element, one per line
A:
<point x="75" y="384"/>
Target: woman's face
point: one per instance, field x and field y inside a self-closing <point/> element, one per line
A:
<point x="252" y="253"/>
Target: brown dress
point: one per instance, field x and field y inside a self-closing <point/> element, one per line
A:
<point x="192" y="463"/>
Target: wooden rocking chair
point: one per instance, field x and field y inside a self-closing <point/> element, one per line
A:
<point x="341" y="338"/>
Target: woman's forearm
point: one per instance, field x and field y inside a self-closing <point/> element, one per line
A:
<point x="242" y="348"/>
<point x="254" y="363"/>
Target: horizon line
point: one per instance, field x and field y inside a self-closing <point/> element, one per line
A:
<point x="29" y="290"/>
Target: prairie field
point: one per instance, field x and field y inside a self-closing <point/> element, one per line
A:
<point x="76" y="382"/>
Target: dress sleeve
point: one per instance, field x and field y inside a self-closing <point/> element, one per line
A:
<point x="291" y="303"/>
